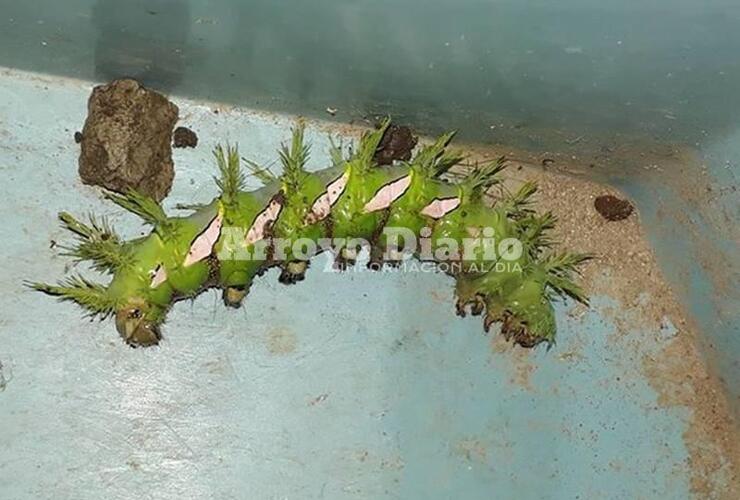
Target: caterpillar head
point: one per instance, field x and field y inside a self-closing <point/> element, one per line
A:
<point x="137" y="325"/>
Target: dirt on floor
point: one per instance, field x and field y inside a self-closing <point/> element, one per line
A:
<point x="627" y="270"/>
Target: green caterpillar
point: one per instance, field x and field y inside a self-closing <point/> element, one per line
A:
<point x="500" y="255"/>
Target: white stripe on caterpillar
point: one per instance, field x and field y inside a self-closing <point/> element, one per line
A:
<point x="159" y="276"/>
<point x="203" y="244"/>
<point x="388" y="194"/>
<point x="322" y="206"/>
<point x="263" y="221"/>
<point x="439" y="208"/>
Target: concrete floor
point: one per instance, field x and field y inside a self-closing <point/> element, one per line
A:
<point x="347" y="386"/>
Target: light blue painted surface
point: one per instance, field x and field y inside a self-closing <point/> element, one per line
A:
<point x="386" y="393"/>
<point x="541" y="71"/>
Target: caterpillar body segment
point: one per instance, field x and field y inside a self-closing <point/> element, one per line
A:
<point x="510" y="274"/>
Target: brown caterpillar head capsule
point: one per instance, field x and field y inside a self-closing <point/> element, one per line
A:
<point x="134" y="326"/>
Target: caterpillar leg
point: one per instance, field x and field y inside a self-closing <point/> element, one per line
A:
<point x="343" y="260"/>
<point x="493" y="315"/>
<point x="525" y="324"/>
<point x="378" y="259"/>
<point x="292" y="272"/>
<point x="468" y="295"/>
<point x="513" y="328"/>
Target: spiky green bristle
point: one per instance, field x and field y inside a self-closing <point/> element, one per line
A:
<point x="294" y="160"/>
<point x="480" y="179"/>
<point x="561" y="270"/>
<point x="98" y="228"/>
<point x="533" y="231"/>
<point x="93" y="297"/>
<point x="336" y="152"/>
<point x="231" y="179"/>
<point x="146" y="207"/>
<point x="97" y="242"/>
<point x="435" y="159"/>
<point x="519" y="203"/>
<point x="369" y="144"/>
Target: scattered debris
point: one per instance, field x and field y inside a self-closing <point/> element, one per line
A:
<point x="667" y="329"/>
<point x="571" y="356"/>
<point x="612" y="208"/>
<point x="126" y="139"/>
<point x="184" y="138"/>
<point x="396" y="144"/>
<point x="472" y="450"/>
<point x="318" y="399"/>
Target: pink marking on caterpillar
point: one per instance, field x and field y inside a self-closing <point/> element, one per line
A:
<point x="159" y="276"/>
<point x="439" y="208"/>
<point x="322" y="206"/>
<point x="388" y="194"/>
<point x="263" y="221"/>
<point x="203" y="244"/>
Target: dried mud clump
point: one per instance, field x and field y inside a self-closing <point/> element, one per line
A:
<point x="184" y="138"/>
<point x="396" y="144"/>
<point x="126" y="139"/>
<point x="612" y="208"/>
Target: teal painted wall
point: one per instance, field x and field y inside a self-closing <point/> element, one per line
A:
<point x="666" y="68"/>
